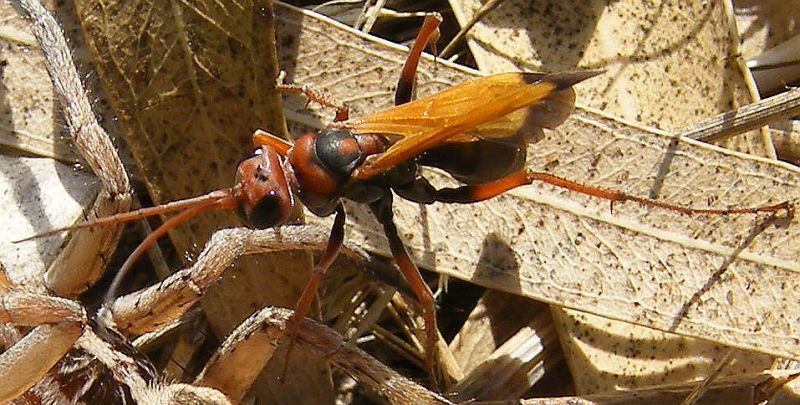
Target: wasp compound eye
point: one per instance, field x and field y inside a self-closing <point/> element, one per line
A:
<point x="265" y="213"/>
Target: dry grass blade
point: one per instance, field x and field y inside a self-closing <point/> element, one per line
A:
<point x="510" y="371"/>
<point x="751" y="116"/>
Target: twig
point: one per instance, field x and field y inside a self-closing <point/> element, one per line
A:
<point x="266" y="327"/>
<point x="486" y="8"/>
<point x="225" y="247"/>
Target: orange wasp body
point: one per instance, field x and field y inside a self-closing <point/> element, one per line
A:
<point x="477" y="131"/>
<point x="366" y="159"/>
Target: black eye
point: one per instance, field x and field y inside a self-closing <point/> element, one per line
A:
<point x="265" y="214"/>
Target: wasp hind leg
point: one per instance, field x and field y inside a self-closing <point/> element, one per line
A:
<point x="421" y="191"/>
<point x="427" y="34"/>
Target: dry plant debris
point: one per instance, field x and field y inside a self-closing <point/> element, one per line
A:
<point x="722" y="279"/>
<point x="663" y="61"/>
<point x="451" y="239"/>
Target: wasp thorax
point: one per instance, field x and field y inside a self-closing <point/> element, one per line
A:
<point x="338" y="151"/>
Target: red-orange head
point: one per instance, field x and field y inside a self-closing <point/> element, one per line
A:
<point x="263" y="189"/>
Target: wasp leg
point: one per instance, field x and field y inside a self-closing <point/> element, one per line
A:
<point x="264" y="138"/>
<point x="382" y="209"/>
<point x="304" y="303"/>
<point x="318" y="96"/>
<point x="405" y="85"/>
<point x="331" y="251"/>
<point x="423" y="192"/>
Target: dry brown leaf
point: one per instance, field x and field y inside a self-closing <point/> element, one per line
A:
<point x="742" y="389"/>
<point x="190" y="83"/>
<point x="669" y="64"/>
<point x="606" y="355"/>
<point x="42" y="194"/>
<point x="720" y="278"/>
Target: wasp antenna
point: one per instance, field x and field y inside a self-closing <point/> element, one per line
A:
<point x="222" y="200"/>
<point x="180" y="205"/>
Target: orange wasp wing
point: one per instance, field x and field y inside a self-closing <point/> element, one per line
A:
<point x="495" y="106"/>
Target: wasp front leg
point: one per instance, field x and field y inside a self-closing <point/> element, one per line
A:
<point x="332" y="249"/>
<point x="318" y="96"/>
